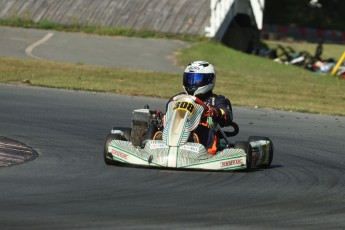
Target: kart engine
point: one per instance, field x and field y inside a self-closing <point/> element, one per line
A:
<point x="141" y="118"/>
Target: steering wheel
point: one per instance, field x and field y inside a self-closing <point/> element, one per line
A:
<point x="200" y="102"/>
<point x="206" y="108"/>
<point x="233" y="133"/>
<point x="232" y="124"/>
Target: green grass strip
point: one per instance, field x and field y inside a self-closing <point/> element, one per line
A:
<point x="261" y="83"/>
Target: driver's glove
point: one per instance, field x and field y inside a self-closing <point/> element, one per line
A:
<point x="216" y="114"/>
<point x="213" y="112"/>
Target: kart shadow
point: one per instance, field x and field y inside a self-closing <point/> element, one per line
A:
<point x="119" y="164"/>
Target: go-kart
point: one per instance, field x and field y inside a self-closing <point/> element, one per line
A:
<point x="172" y="146"/>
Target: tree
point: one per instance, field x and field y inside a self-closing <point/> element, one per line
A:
<point x="299" y="12"/>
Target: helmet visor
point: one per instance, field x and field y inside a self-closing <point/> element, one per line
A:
<point x="196" y="80"/>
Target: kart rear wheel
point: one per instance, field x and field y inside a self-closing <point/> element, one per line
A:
<point x="114" y="136"/>
<point x="245" y="145"/>
<point x="271" y="148"/>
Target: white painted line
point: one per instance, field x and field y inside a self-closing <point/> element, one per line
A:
<point x="31" y="47"/>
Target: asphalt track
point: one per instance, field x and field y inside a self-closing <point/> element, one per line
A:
<point x="69" y="187"/>
<point x="80" y="48"/>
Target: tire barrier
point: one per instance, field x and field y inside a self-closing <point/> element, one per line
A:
<point x="277" y="32"/>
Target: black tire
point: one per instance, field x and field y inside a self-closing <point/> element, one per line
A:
<point x="110" y="138"/>
<point x="270" y="154"/>
<point x="245" y="145"/>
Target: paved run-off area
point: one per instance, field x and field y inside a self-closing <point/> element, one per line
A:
<point x="78" y="48"/>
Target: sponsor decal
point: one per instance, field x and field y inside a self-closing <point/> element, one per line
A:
<point x="193" y="68"/>
<point x="158" y="146"/>
<point x="119" y="154"/>
<point x="231" y="162"/>
<point x="190" y="148"/>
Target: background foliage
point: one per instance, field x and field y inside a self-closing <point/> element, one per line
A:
<point x="299" y="12"/>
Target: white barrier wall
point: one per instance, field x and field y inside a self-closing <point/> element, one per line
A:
<point x="171" y="16"/>
<point x="223" y="11"/>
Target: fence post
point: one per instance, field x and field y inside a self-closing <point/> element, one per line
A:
<point x="336" y="67"/>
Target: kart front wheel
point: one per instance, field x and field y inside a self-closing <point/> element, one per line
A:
<point x="245" y="145"/>
<point x="110" y="138"/>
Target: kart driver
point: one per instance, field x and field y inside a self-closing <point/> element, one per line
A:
<point x="199" y="79"/>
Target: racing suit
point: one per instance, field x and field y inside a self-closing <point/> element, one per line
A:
<point x="220" y="110"/>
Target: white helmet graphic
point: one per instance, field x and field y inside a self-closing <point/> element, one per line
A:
<point x="199" y="78"/>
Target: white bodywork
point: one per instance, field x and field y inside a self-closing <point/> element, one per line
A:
<point x="174" y="150"/>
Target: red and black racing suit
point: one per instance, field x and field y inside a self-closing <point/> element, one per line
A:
<point x="221" y="113"/>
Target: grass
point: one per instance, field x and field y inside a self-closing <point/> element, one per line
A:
<point x="253" y="81"/>
<point x="247" y="80"/>
<point x="329" y="50"/>
<point x="80" y="77"/>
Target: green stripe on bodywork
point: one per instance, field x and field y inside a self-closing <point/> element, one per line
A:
<point x="117" y="147"/>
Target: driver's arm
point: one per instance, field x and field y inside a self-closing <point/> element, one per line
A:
<point x="224" y="108"/>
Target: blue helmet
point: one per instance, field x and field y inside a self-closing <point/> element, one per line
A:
<point x="199" y="78"/>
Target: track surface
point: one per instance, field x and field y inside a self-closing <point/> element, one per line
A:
<point x="69" y="187"/>
<point x="79" y="48"/>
